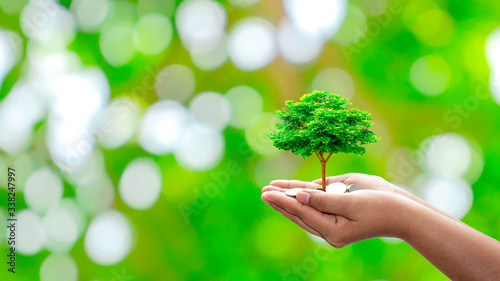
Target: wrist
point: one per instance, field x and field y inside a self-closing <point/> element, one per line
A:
<point x="399" y="191"/>
<point x="409" y="219"/>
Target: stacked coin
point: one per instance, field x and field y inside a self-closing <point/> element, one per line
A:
<point x="293" y="191"/>
<point x="336" y="187"/>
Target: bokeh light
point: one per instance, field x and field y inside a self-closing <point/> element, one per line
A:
<point x="140" y="184"/>
<point x="211" y="56"/>
<point x="434" y="27"/>
<point x="494" y="86"/>
<point x="48" y="22"/>
<point x="117" y="44"/>
<point x="447" y="154"/>
<point x="212" y="109"/>
<point x="61" y="226"/>
<point x="10" y="51"/>
<point x="454" y="196"/>
<point x="76" y="100"/>
<point x="200" y="148"/>
<point x="89" y="92"/>
<point x="491" y="48"/>
<point x="243" y="3"/>
<point x="200" y="21"/>
<point x="280" y="166"/>
<point x="152" y="34"/>
<point x="334" y="80"/>
<point x="109" y="238"/>
<point x="12" y="7"/>
<point x="29" y="239"/>
<point x="353" y="28"/>
<point x="46" y="64"/>
<point x="296" y="46"/>
<point x="257" y="133"/>
<point x="123" y="114"/>
<point x="162" y="126"/>
<point x="19" y="112"/>
<point x="374" y="8"/>
<point x="96" y="196"/>
<point x="119" y="13"/>
<point x="246" y="103"/>
<point x="430" y="75"/>
<point x="320" y="18"/>
<point x="175" y="82"/>
<point x="89" y="14"/>
<point x="59" y="267"/>
<point x="493" y="58"/>
<point x="165" y="7"/>
<point x="89" y="171"/>
<point x="252" y="44"/>
<point x="44" y="189"/>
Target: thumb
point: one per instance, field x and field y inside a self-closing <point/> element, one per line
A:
<point x="338" y="204"/>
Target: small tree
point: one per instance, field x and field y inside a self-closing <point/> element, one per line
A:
<point x="321" y="123"/>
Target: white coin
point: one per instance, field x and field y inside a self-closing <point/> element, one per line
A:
<point x="336" y="187"/>
<point x="293" y="192"/>
<point x="352" y="188"/>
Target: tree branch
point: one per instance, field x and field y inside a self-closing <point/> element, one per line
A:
<point x="322" y="157"/>
<point x="317" y="155"/>
<point x="331" y="153"/>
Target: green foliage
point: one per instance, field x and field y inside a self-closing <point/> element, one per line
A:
<point x="322" y="122"/>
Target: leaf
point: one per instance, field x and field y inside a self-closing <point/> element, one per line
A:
<point x="322" y="122"/>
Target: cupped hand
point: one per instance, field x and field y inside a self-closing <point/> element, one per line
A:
<point x="364" y="182"/>
<point x="342" y="219"/>
<point x="361" y="180"/>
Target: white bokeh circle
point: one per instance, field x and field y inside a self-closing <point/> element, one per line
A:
<point x="140" y="184"/>
<point x="200" y="148"/>
<point x="43" y="189"/>
<point x="109" y="238"/>
<point x="211" y="108"/>
<point x="453" y="196"/>
<point x="252" y="44"/>
<point x="296" y="46"/>
<point x="162" y="126"/>
<point x="59" y="267"/>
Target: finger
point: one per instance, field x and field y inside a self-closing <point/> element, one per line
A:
<point x="331" y="203"/>
<point x="345" y="179"/>
<point x="295" y="219"/>
<point x="294" y="184"/>
<point x="313" y="218"/>
<point x="275" y="188"/>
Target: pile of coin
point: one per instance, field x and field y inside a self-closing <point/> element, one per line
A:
<point x="336" y="187"/>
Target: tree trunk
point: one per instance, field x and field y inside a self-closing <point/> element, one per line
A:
<point x="323" y="176"/>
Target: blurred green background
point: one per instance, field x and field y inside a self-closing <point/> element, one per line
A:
<point x="138" y="130"/>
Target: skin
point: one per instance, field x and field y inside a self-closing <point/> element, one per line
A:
<point x="381" y="209"/>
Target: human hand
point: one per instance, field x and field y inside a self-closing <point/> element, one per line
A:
<point x="342" y="219"/>
<point x="378" y="183"/>
<point x="361" y="180"/>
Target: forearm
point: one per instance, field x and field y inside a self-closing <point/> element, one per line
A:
<point x="423" y="202"/>
<point x="457" y="250"/>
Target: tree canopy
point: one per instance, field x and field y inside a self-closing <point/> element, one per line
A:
<point x="322" y="122"/>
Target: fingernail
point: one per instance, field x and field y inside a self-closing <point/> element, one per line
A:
<point x="303" y="197"/>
